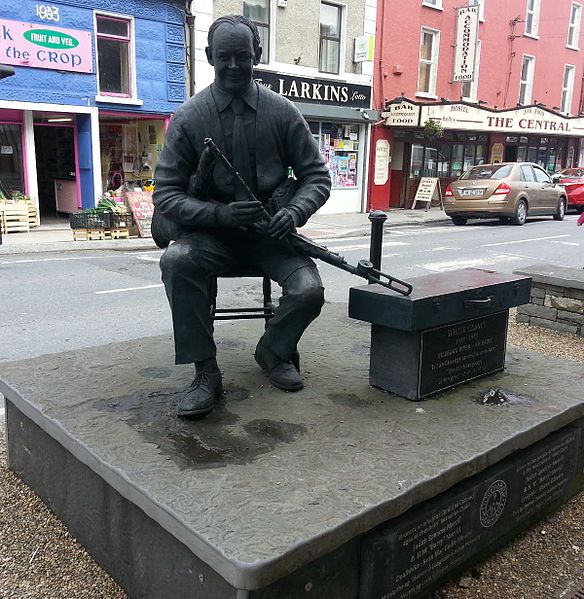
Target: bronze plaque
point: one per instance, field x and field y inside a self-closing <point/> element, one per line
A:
<point x="460" y="352"/>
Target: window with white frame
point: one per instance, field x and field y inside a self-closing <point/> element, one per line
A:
<point x="114" y="55"/>
<point x="468" y="89"/>
<point x="432" y="3"/>
<point x="428" y="66"/>
<point x="567" y="88"/>
<point x="329" y="53"/>
<point x="574" y="26"/>
<point x="526" y="82"/>
<point x="481" y="5"/>
<point x="532" y="18"/>
<point x="258" y="11"/>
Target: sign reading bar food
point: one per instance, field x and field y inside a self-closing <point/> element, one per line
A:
<point x="45" y="47"/>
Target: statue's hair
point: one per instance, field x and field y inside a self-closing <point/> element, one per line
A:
<point x="235" y="20"/>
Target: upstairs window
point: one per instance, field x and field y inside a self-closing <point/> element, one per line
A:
<point x="432" y="3"/>
<point x="428" y="65"/>
<point x="258" y="11"/>
<point x="481" y="5"/>
<point x="532" y="18"/>
<point x="526" y="83"/>
<point x="114" y="55"/>
<point x="329" y="55"/>
<point x="574" y="26"/>
<point x="468" y="89"/>
<point x="567" y="88"/>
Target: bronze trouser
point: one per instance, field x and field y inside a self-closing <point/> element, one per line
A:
<point x="189" y="264"/>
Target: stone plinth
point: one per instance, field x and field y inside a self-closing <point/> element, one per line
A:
<point x="278" y="495"/>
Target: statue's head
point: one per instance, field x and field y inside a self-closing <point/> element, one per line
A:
<point x="233" y="50"/>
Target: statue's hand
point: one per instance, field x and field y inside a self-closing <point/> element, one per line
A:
<point x="238" y="214"/>
<point x="281" y="224"/>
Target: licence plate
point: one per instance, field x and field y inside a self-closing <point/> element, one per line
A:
<point x="479" y="191"/>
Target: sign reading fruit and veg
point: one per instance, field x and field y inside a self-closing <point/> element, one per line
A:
<point x="43" y="46"/>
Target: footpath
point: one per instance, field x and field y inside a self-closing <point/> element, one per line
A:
<point x="59" y="237"/>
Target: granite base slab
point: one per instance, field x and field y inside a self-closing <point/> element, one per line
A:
<point x="275" y="494"/>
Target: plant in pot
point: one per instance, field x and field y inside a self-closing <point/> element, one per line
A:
<point x="433" y="129"/>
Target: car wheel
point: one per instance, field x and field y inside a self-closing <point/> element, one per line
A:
<point x="560" y="210"/>
<point x="459" y="220"/>
<point x="520" y="213"/>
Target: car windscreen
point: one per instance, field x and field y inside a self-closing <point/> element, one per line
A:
<point x="572" y="173"/>
<point x="489" y="171"/>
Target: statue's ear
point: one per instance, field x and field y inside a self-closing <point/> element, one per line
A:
<point x="257" y="55"/>
<point x="209" y="55"/>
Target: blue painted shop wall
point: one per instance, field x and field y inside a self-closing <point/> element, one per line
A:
<point x="85" y="164"/>
<point x="160" y="55"/>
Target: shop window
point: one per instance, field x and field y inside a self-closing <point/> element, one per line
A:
<point x="129" y="151"/>
<point x="526" y="83"/>
<point x="329" y="53"/>
<point x="339" y="146"/>
<point x="567" y="88"/>
<point x="532" y="18"/>
<point x="11" y="165"/>
<point x="428" y="65"/>
<point x="574" y="26"/>
<point x="258" y="11"/>
<point x="114" y="55"/>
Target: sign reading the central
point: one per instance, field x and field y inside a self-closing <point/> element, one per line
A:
<point x="316" y="91"/>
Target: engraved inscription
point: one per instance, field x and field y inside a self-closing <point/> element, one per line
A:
<point x="411" y="556"/>
<point x="460" y="352"/>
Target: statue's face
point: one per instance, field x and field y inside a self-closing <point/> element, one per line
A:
<point x="232" y="56"/>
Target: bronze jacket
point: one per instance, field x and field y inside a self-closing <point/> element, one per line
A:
<point x="283" y="140"/>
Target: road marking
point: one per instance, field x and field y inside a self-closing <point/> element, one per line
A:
<point x="31" y="260"/>
<point x="148" y="258"/>
<point x="478" y="262"/>
<point x="567" y="243"/>
<point x="122" y="290"/>
<point x="488" y="245"/>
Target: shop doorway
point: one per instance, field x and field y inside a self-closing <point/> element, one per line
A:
<point x="56" y="166"/>
<point x="510" y="154"/>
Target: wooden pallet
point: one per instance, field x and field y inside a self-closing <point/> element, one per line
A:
<point x="88" y="234"/>
<point x="119" y="233"/>
<point x="33" y="217"/>
<point x="14" y="218"/>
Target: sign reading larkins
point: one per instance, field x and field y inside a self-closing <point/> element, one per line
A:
<point x="467" y="25"/>
<point x="45" y="47"/>
<point x="530" y="119"/>
<point x="316" y="91"/>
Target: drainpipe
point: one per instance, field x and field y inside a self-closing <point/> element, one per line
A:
<point x="190" y="18"/>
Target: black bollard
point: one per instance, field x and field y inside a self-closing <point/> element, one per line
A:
<point x="377" y="218"/>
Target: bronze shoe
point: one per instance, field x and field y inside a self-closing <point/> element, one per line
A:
<point x="199" y="398"/>
<point x="282" y="374"/>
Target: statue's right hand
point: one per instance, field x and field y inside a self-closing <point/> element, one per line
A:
<point x="239" y="214"/>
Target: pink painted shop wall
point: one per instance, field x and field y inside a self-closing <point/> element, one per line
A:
<point x="398" y="42"/>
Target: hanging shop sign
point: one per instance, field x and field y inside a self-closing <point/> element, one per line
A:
<point x="467" y="28"/>
<point x="403" y="114"/>
<point x="364" y="48"/>
<point x="530" y="119"/>
<point x="43" y="46"/>
<point x="316" y="91"/>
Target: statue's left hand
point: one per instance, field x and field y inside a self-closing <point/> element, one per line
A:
<point x="281" y="224"/>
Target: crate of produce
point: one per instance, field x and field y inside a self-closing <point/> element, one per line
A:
<point x="116" y="220"/>
<point x="88" y="220"/>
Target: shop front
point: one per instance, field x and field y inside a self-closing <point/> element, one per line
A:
<point x="86" y="109"/>
<point x="339" y="116"/>
<point x="443" y="140"/>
